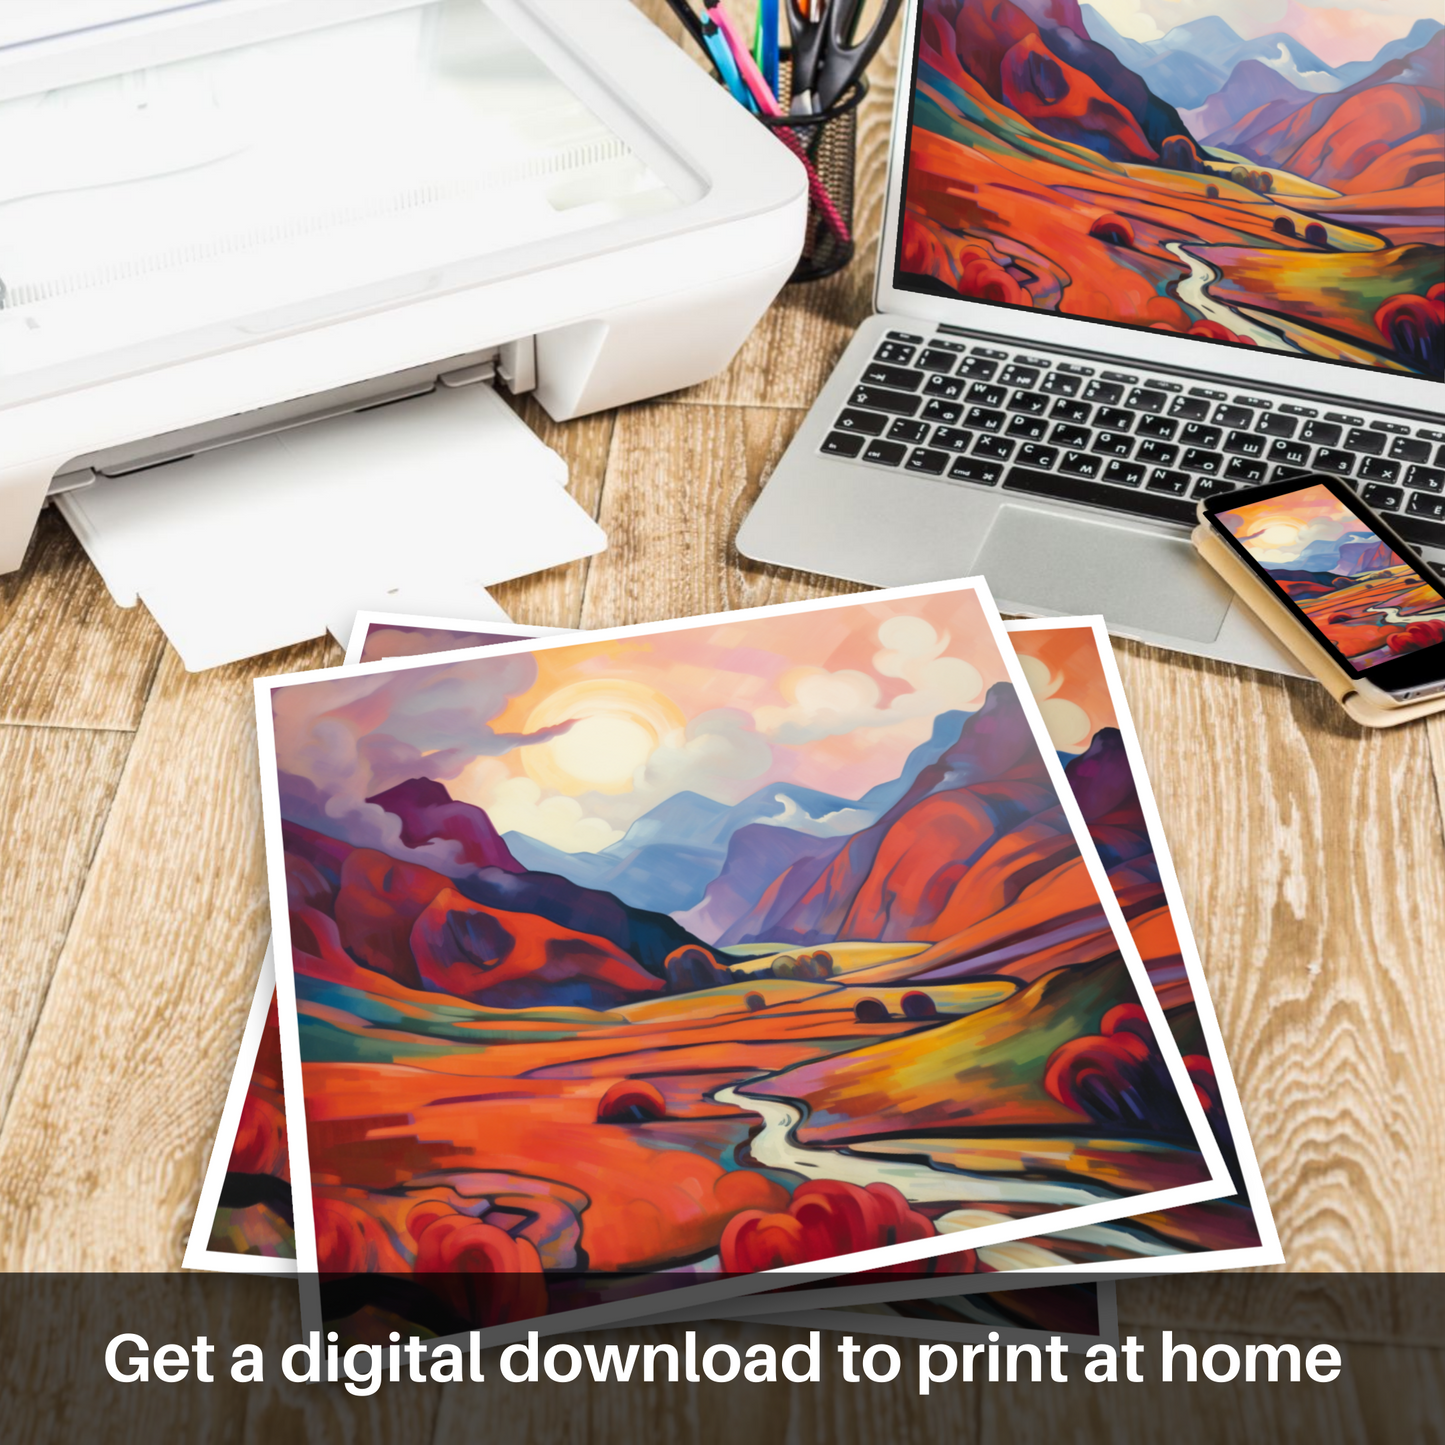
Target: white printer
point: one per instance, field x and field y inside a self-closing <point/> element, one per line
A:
<point x="232" y="231"/>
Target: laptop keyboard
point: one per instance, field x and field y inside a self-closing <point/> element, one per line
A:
<point x="1139" y="444"/>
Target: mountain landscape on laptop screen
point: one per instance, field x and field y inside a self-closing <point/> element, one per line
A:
<point x="1258" y="172"/>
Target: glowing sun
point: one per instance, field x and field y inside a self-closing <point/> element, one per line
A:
<point x="616" y="727"/>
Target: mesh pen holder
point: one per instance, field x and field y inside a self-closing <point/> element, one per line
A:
<point x="827" y="145"/>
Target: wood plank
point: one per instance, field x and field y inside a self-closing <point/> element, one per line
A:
<point x="56" y="786"/>
<point x="679" y="482"/>
<point x="69" y="657"/>
<point x="554" y="598"/>
<point x="116" y="1105"/>
<point x="1315" y="880"/>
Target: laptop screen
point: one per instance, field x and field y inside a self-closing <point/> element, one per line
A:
<point x="1267" y="173"/>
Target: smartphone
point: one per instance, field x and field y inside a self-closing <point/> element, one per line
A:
<point x="1341" y="569"/>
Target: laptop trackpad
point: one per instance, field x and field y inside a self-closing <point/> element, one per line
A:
<point x="1073" y="565"/>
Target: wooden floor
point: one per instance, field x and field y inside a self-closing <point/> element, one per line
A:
<point x="133" y="910"/>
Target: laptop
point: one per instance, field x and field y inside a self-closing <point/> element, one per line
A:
<point x="1123" y="269"/>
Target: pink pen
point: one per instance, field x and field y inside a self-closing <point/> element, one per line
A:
<point x="768" y="105"/>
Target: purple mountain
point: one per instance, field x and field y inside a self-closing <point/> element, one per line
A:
<point x="1251" y="84"/>
<point x="428" y="812"/>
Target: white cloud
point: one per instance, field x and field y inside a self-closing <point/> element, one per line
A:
<point x="823" y="704"/>
<point x="825" y="825"/>
<point x="517" y="805"/>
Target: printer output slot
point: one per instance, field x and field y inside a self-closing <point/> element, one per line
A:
<point x="514" y="363"/>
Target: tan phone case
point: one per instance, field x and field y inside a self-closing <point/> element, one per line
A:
<point x="1298" y="639"/>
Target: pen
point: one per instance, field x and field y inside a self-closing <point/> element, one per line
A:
<point x="765" y="42"/>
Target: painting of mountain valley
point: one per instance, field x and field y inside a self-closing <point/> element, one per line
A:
<point x="1265" y="173"/>
<point x="635" y="962"/>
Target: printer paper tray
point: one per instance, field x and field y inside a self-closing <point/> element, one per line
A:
<point x="417" y="506"/>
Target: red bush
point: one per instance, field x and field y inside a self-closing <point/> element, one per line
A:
<point x="1112" y="230"/>
<point x="260" y="1146"/>
<point x="1213" y="331"/>
<point x="1413" y="327"/>
<point x="918" y="1005"/>
<point x="349" y="1240"/>
<point x="870" y="1011"/>
<point x="826" y="1217"/>
<point x="1117" y="1077"/>
<point x="1425" y="633"/>
<point x="631" y="1101"/>
<point x="486" y="1275"/>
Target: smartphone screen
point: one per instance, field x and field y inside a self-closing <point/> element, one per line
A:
<point x="1380" y="613"/>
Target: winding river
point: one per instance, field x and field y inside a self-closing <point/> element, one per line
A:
<point x="1193" y="291"/>
<point x="921" y="1183"/>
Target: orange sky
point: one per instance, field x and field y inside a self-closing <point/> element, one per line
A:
<point x="1067" y="679"/>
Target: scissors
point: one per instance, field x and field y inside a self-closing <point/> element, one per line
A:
<point x="828" y="55"/>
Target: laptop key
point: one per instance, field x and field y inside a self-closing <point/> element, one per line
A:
<point x="1189" y="408"/>
<point x="945" y="411"/>
<point x="1124" y="474"/>
<point x="1156" y="454"/>
<point x="1426" y="479"/>
<point x="1233" y="416"/>
<point x="1382" y="499"/>
<point x="948" y="387"/>
<point x="1289" y="453"/>
<point x="1245" y="444"/>
<point x="1422" y="505"/>
<point x="877" y="374"/>
<point x="867" y="422"/>
<point x="1195" y="435"/>
<point x="1075" y="411"/>
<point x="895" y="353"/>
<point x="977" y="368"/>
<point x="1162" y="428"/>
<point x="1211" y="487"/>
<point x="1035" y="403"/>
<point x="1112" y="444"/>
<point x="878" y="398"/>
<point x="1272" y="424"/>
<point x="1333" y="459"/>
<point x="1407" y="449"/>
<point x="1036" y="456"/>
<point x="1244" y="469"/>
<point x="972" y="469"/>
<point x="1099" y="494"/>
<point x="1113" y="418"/>
<point x="1071" y="436"/>
<point x="904" y="429"/>
<point x="886" y="454"/>
<point x="1164" y="480"/>
<point x="1143" y="399"/>
<point x="985" y="395"/>
<point x="933" y="359"/>
<point x="1418" y="530"/>
<point x="1196" y="459"/>
<point x="1378" y="469"/>
<point x="924" y="459"/>
<point x="905" y="336"/>
<point x="1107" y="392"/>
<point x="1031" y="428"/>
<point x="1015" y="375"/>
<point x="1321" y="433"/>
<point x="1081" y="464"/>
<point x="955" y="439"/>
<point x="843" y="444"/>
<point x="983" y="419"/>
<point x="1060" y="383"/>
<point x="1371" y="443"/>
<point x="996" y="448"/>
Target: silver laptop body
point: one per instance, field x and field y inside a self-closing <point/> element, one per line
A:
<point x="1063" y="458"/>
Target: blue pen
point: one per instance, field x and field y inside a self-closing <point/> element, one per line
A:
<point x="727" y="67"/>
<point x="768" y="30"/>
